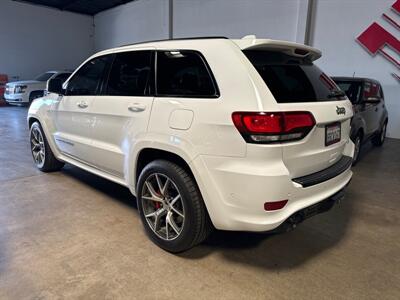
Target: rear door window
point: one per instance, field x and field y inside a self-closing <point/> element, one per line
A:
<point x="130" y="74"/>
<point x="184" y="74"/>
<point x="292" y="79"/>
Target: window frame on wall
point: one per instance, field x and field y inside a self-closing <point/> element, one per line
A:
<point x="210" y="74"/>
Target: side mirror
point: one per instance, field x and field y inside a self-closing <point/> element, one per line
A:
<point x="55" y="86"/>
<point x="372" y="100"/>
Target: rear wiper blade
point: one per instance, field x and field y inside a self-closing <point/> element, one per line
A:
<point x="337" y="94"/>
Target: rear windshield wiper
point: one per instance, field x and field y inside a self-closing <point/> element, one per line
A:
<point x="337" y="94"/>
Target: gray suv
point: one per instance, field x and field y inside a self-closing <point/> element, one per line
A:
<point x="370" y="114"/>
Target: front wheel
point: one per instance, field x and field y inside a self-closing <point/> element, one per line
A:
<point x="379" y="139"/>
<point x="171" y="207"/>
<point x="42" y="155"/>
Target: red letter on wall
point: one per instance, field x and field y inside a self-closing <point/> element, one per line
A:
<point x="396" y="6"/>
<point x="376" y="37"/>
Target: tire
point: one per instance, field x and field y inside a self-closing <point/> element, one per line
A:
<point x="357" y="148"/>
<point x="182" y="223"/>
<point x="379" y="138"/>
<point x="43" y="157"/>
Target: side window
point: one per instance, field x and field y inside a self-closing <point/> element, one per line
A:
<point x="371" y="89"/>
<point x="352" y="90"/>
<point x="87" y="79"/>
<point x="183" y="73"/>
<point x="130" y="74"/>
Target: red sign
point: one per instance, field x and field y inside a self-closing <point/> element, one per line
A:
<point x="375" y="38"/>
<point x="396" y="6"/>
<point x="3" y="81"/>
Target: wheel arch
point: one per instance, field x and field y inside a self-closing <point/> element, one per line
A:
<point x="35" y="91"/>
<point x="32" y="118"/>
<point x="359" y="126"/>
<point x="148" y="154"/>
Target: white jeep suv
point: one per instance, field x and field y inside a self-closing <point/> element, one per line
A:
<point x="206" y="132"/>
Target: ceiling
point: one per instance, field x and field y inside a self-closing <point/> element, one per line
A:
<point x="87" y="7"/>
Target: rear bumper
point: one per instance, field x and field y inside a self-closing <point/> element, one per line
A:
<point x="309" y="180"/>
<point x="310" y="211"/>
<point x="235" y="190"/>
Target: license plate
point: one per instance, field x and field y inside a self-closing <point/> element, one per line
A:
<point x="332" y="134"/>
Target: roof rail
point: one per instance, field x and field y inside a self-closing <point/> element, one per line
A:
<point x="178" y="39"/>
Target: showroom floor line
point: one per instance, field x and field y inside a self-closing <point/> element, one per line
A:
<point x="74" y="235"/>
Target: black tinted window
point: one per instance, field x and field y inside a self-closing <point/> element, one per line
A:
<point x="292" y="79"/>
<point x="129" y="74"/>
<point x="183" y="73"/>
<point x="62" y="76"/>
<point x="352" y="90"/>
<point x="88" y="78"/>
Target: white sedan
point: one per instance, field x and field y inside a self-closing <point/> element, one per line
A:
<point x="24" y="92"/>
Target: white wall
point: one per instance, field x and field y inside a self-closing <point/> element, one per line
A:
<point x="136" y="21"/>
<point x="144" y="20"/>
<point x="337" y="25"/>
<point x="237" y="18"/>
<point x="35" y="39"/>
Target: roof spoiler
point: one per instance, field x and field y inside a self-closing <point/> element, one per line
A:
<point x="250" y="42"/>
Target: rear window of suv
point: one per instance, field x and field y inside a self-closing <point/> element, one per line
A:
<point x="352" y="89"/>
<point x="184" y="73"/>
<point x="292" y="79"/>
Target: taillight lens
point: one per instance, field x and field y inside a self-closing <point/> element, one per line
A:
<point x="270" y="127"/>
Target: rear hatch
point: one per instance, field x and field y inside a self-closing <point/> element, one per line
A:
<point x="298" y="85"/>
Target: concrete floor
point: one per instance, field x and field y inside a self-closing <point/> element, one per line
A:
<point x="73" y="235"/>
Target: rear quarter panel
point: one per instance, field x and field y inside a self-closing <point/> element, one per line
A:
<point x="212" y="131"/>
<point x="39" y="110"/>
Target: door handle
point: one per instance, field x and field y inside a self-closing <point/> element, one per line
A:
<point x="82" y="104"/>
<point x="137" y="107"/>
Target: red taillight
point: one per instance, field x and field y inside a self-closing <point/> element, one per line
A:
<point x="271" y="123"/>
<point x="268" y="206"/>
<point x="298" y="120"/>
<point x="269" y="127"/>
